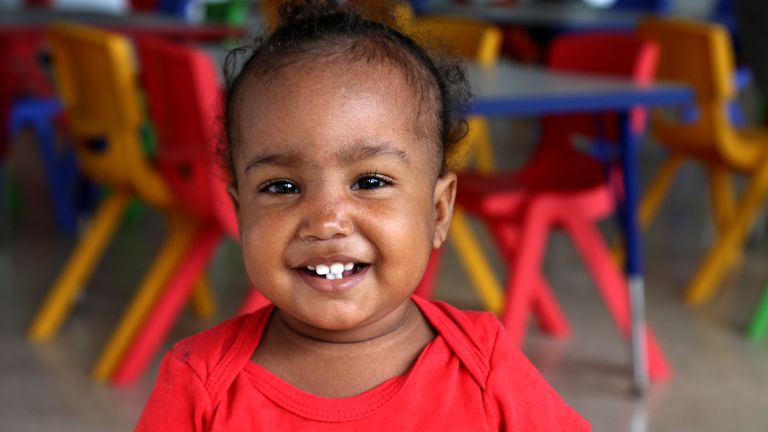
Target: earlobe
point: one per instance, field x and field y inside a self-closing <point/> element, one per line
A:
<point x="445" y="196"/>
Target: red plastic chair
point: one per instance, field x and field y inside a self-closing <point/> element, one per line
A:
<point x="564" y="187"/>
<point x="184" y="97"/>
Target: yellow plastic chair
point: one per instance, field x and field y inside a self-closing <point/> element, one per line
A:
<point x="96" y="81"/>
<point x="700" y="55"/>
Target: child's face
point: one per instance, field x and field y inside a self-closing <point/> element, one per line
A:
<point x="333" y="167"/>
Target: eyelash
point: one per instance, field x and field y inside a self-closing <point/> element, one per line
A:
<point x="384" y="182"/>
<point x="375" y="176"/>
<point x="270" y="184"/>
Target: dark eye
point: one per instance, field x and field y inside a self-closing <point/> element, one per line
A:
<point x="280" y="187"/>
<point x="370" y="181"/>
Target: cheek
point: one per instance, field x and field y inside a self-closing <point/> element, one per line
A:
<point x="263" y="243"/>
<point x="405" y="241"/>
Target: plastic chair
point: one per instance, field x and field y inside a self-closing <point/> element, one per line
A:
<point x="39" y="114"/>
<point x="95" y="76"/>
<point x="230" y="12"/>
<point x="564" y="187"/>
<point x="184" y="100"/>
<point x="700" y="55"/>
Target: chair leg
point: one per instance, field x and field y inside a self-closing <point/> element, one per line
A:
<point x="202" y="301"/>
<point x="759" y="324"/>
<point x="714" y="267"/>
<point x="483" y="147"/>
<point x="653" y="198"/>
<point x="549" y="315"/>
<point x="721" y="196"/>
<point x="473" y="260"/>
<point x="79" y="267"/>
<point x="167" y="307"/>
<point x="524" y="270"/>
<point x="60" y="169"/>
<point x="181" y="232"/>
<point x="613" y="287"/>
<point x="723" y="204"/>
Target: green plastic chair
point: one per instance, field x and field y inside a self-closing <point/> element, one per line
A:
<point x="759" y="324"/>
<point x="231" y="12"/>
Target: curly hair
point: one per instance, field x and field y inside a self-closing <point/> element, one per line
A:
<point x="324" y="29"/>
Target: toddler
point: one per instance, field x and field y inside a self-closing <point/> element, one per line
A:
<point x="338" y="128"/>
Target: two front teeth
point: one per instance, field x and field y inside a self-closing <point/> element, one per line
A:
<point x="333" y="271"/>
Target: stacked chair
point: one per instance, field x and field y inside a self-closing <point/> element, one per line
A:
<point x="564" y="187"/>
<point x="700" y="55"/>
<point x="96" y="81"/>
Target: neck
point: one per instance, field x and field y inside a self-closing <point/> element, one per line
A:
<point x="395" y="324"/>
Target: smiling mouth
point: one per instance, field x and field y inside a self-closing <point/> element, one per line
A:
<point x="334" y="271"/>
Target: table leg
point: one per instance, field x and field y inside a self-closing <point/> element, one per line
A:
<point x="633" y="252"/>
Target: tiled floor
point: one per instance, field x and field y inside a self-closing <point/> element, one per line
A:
<point x="720" y="378"/>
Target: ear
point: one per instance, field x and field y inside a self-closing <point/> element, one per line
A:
<point x="234" y="195"/>
<point x="445" y="195"/>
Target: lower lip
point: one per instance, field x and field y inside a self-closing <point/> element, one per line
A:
<point x="337" y="285"/>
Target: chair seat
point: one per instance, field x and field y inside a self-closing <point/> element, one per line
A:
<point x="576" y="184"/>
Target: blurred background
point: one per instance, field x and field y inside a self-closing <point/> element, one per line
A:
<point x="615" y="176"/>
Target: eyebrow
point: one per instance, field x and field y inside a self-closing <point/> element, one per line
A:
<point x="279" y="159"/>
<point x="345" y="155"/>
<point x="369" y="150"/>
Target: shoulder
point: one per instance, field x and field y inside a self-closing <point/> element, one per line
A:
<point x="480" y="328"/>
<point x="520" y="397"/>
<point x="205" y="352"/>
<point x="471" y="335"/>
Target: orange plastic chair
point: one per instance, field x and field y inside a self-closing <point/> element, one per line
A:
<point x="564" y="187"/>
<point x="95" y="76"/>
<point x="700" y="55"/>
<point x="185" y="103"/>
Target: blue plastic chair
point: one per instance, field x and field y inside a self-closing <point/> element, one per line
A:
<point x="60" y="166"/>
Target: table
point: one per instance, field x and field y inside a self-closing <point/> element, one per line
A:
<point x="564" y="17"/>
<point x="33" y="21"/>
<point x="558" y="16"/>
<point x="512" y="90"/>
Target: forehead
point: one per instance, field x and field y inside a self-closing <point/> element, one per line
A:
<point x="309" y="107"/>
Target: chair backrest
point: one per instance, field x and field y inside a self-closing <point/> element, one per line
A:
<point x="184" y="97"/>
<point x="700" y="55"/>
<point x="96" y="80"/>
<point x="474" y="40"/>
<point x="613" y="54"/>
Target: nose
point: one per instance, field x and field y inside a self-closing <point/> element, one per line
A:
<point x="326" y="219"/>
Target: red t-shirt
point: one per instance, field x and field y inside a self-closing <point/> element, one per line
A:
<point x="470" y="377"/>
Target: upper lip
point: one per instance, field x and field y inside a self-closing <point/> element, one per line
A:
<point x="315" y="261"/>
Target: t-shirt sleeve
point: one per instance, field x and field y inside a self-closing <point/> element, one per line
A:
<point x="524" y="400"/>
<point x="179" y="400"/>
